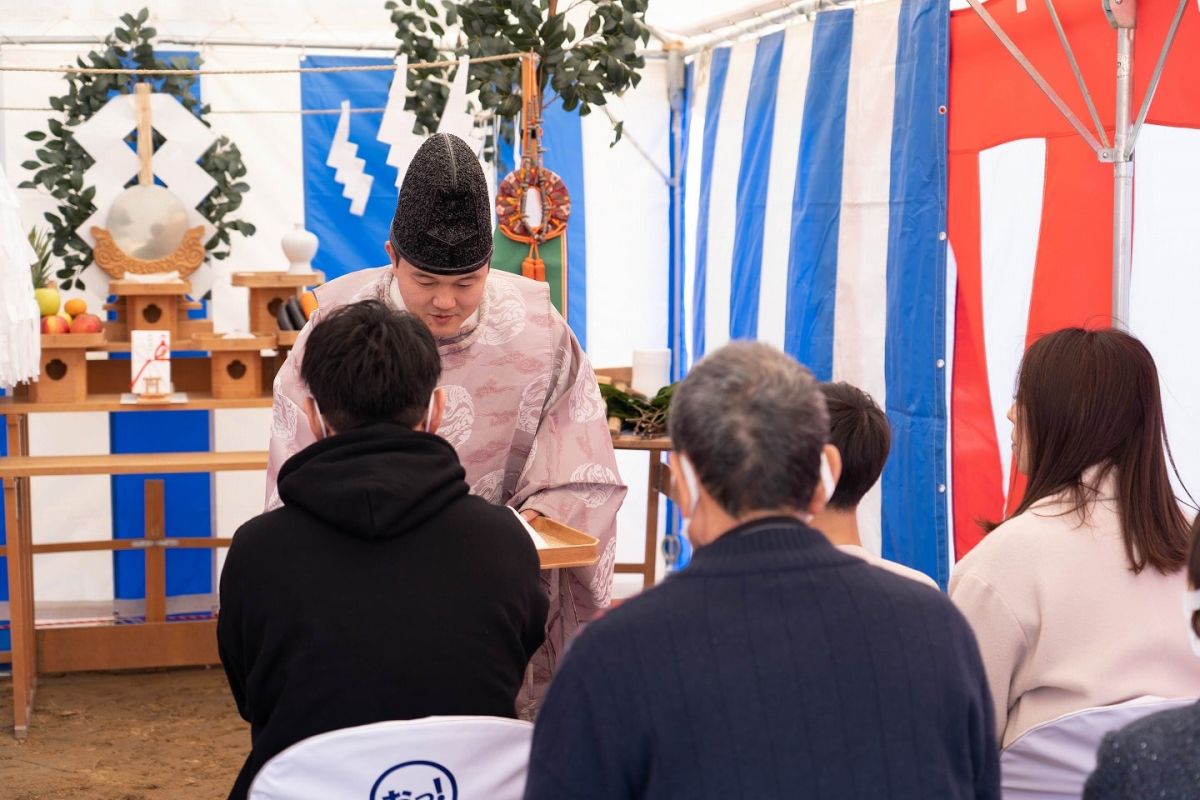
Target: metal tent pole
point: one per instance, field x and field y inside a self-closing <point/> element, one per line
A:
<point x="1123" y="183"/>
<point x="675" y="91"/>
<point x="1122" y="15"/>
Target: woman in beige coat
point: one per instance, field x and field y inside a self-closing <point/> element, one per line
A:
<point x="1075" y="598"/>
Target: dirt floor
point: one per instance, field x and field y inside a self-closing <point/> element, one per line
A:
<point x="125" y="736"/>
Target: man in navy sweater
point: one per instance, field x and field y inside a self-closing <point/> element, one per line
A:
<point x="775" y="666"/>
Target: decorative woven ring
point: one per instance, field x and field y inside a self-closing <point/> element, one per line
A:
<point x="510" y="204"/>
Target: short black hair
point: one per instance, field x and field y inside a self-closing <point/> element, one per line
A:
<point x="366" y="362"/>
<point x="859" y="429"/>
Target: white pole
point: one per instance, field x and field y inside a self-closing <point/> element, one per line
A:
<point x="1122" y="183"/>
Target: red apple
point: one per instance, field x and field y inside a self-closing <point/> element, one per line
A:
<point x="55" y="324"/>
<point x="87" y="323"/>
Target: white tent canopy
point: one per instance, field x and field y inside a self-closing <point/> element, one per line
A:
<point x="361" y="24"/>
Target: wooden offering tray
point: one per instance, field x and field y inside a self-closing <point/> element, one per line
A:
<point x="566" y="547"/>
<point x="65" y="341"/>
<point x="127" y="287"/>
<point x="63" y="376"/>
<point x="214" y="342"/>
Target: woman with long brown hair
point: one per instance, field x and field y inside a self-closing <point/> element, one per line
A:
<point x="1074" y="598"/>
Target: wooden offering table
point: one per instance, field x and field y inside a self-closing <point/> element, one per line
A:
<point x="656" y="482"/>
<point x="156" y="642"/>
<point x="269" y="291"/>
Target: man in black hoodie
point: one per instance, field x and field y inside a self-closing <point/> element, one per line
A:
<point x="381" y="589"/>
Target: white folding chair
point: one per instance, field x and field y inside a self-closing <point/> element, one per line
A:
<point x="435" y="758"/>
<point x="1053" y="760"/>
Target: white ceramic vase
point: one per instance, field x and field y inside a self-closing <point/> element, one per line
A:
<point x="299" y="245"/>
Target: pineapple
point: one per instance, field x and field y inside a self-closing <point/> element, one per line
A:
<point x="44" y="288"/>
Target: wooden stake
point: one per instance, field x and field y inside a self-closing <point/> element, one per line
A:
<point x="145" y="135"/>
<point x="531" y="113"/>
<point x="156" y="562"/>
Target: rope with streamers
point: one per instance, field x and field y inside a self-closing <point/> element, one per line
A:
<point x="267" y="71"/>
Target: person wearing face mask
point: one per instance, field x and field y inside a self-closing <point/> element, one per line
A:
<point x="1075" y="597"/>
<point x="1157" y="756"/>
<point x="522" y="406"/>
<point x="380" y="589"/>
<point x="774" y="665"/>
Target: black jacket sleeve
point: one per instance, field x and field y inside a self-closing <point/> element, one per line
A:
<point x="230" y="628"/>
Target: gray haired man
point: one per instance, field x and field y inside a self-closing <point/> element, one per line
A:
<point x="775" y="665"/>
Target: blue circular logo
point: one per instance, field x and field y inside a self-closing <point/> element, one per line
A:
<point x="415" y="780"/>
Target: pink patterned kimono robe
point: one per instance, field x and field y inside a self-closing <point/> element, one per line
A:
<point x="524" y="413"/>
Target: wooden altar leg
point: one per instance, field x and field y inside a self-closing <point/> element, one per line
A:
<point x="20" y="581"/>
<point x="156" y="558"/>
<point x="654" y="480"/>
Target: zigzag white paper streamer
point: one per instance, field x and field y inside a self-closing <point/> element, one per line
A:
<point x="187" y="138"/>
<point x="396" y="127"/>
<point x="20" y="323"/>
<point x="350" y="169"/>
<point x="457" y="118"/>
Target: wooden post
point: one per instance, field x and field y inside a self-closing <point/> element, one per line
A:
<point x="145" y="135"/>
<point x="20" y="581"/>
<point x="654" y="479"/>
<point x="531" y="112"/>
<point x="156" y="558"/>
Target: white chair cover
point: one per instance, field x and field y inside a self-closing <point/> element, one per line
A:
<point x="1053" y="760"/>
<point x="436" y="758"/>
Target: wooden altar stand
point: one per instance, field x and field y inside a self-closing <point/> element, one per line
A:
<point x="657" y="482"/>
<point x="153" y="306"/>
<point x="269" y="291"/>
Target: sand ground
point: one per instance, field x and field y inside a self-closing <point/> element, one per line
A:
<point x="170" y="734"/>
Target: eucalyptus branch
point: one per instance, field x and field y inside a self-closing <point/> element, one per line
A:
<point x="579" y="68"/>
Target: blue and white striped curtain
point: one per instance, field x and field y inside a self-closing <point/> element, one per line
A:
<point x="814" y="219"/>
